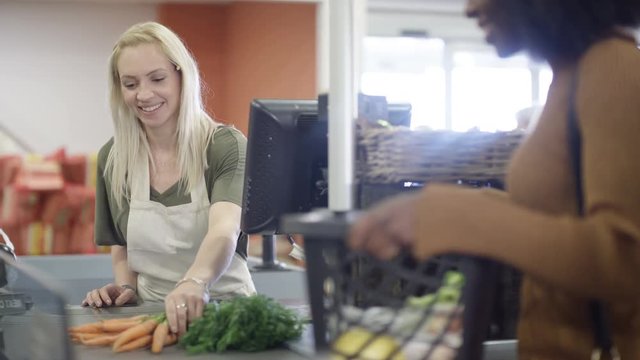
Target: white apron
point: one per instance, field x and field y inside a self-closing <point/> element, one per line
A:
<point x="162" y="242"/>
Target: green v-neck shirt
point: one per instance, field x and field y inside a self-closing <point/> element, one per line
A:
<point x="224" y="180"/>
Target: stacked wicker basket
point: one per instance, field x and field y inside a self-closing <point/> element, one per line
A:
<point x="395" y="160"/>
<point x="394" y="155"/>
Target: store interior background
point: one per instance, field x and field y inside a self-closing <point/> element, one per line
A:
<point x="53" y="74"/>
<point x="53" y="63"/>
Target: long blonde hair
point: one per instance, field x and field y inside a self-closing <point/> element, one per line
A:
<point x="195" y="127"/>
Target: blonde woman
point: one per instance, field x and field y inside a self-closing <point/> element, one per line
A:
<point x="169" y="184"/>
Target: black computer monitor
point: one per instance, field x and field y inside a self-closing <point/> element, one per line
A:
<point x="286" y="165"/>
<point x="287" y="159"/>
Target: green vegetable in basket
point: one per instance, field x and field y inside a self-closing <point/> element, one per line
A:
<point x="448" y="293"/>
<point x="251" y="323"/>
<point x="451" y="290"/>
<point x="454" y="278"/>
<point x="421" y="301"/>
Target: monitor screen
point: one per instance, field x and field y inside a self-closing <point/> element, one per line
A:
<point x="286" y="169"/>
<point x="287" y="160"/>
<point x="399" y="114"/>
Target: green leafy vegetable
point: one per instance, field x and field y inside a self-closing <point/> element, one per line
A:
<point x="251" y="323"/>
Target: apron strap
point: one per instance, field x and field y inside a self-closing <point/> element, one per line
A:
<point x="242" y="246"/>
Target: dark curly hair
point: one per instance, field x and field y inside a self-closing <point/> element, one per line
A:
<point x="565" y="29"/>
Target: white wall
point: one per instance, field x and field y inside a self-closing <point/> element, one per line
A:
<point x="447" y="25"/>
<point x="53" y="61"/>
<point x="53" y="88"/>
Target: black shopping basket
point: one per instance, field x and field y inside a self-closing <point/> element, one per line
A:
<point x="364" y="308"/>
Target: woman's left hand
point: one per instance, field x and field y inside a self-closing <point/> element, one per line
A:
<point x="185" y="304"/>
<point x="388" y="227"/>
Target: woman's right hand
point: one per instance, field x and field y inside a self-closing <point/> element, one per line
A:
<point x="110" y="294"/>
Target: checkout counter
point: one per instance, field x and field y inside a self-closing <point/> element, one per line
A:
<point x="79" y="315"/>
<point x="36" y="329"/>
<point x="35" y="314"/>
<point x="301" y="349"/>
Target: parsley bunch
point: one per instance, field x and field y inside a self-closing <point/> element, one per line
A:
<point x="251" y="323"/>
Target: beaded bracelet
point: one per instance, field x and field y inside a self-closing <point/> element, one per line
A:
<point x="195" y="280"/>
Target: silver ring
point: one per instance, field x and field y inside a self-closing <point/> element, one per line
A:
<point x="181" y="306"/>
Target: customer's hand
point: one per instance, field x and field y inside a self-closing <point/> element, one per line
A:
<point x="109" y="295"/>
<point x="387" y="227"/>
<point x="185" y="304"/>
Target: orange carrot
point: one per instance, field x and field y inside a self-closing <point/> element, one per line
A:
<point x="103" y="340"/>
<point x="137" y="343"/>
<point x="159" y="337"/>
<point x="93" y="327"/>
<point x="118" y="325"/>
<point x="135" y="332"/>
<point x="171" y="339"/>
<point x="86" y="336"/>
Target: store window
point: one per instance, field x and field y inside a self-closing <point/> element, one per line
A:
<point x="488" y="91"/>
<point x="407" y="70"/>
<point x="453" y="86"/>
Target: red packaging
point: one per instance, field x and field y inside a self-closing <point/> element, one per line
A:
<point x="13" y="231"/>
<point x="58" y="156"/>
<point x="82" y="239"/>
<point x="19" y="206"/>
<point x="74" y="169"/>
<point x="84" y="201"/>
<point x="57" y="209"/>
<point x="56" y="240"/>
<point x="40" y="176"/>
<point x="9" y="167"/>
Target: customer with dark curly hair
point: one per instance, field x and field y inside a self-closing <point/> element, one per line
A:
<point x="585" y="146"/>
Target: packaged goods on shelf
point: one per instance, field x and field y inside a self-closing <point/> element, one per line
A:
<point x="40" y="175"/>
<point x="48" y="203"/>
<point x="19" y="205"/>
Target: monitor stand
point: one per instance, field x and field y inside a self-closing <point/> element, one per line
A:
<point x="269" y="260"/>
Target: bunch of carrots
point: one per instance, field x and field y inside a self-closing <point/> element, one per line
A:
<point x="126" y="334"/>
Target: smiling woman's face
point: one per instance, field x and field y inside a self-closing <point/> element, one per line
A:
<point x="499" y="22"/>
<point x="150" y="85"/>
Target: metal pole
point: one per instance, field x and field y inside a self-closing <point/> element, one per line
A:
<point x="346" y="19"/>
<point x="322" y="46"/>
